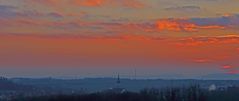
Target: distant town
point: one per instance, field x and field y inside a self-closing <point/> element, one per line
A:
<point x="12" y="88"/>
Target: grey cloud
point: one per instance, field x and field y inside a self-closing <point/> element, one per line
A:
<point x="7" y="11"/>
<point x="184" y="8"/>
<point x="6" y="8"/>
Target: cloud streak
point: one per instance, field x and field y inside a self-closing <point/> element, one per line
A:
<point x="186" y="9"/>
<point x="94" y="3"/>
<point x="227" y="67"/>
<point x="195" y="41"/>
<point x="183" y="25"/>
<point x="228" y="20"/>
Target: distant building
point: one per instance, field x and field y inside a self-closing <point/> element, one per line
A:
<point x="116" y="89"/>
<point x="118" y="80"/>
<point x="212" y="87"/>
<point x="223" y="87"/>
<point x="3" y="78"/>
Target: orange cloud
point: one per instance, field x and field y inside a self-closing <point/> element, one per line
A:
<point x="201" y="60"/>
<point x="95" y="3"/>
<point x="123" y="3"/>
<point x="177" y="25"/>
<point x="195" y="41"/>
<point x="90" y="2"/>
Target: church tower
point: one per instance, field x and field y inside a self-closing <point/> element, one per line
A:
<point x="118" y="80"/>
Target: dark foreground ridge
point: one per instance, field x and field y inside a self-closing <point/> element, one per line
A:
<point x="193" y="93"/>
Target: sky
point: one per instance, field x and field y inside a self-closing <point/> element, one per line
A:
<point x="103" y="38"/>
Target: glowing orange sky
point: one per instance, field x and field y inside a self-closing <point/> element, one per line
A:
<point x="101" y="37"/>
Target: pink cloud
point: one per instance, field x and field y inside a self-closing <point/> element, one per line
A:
<point x="227" y="67"/>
